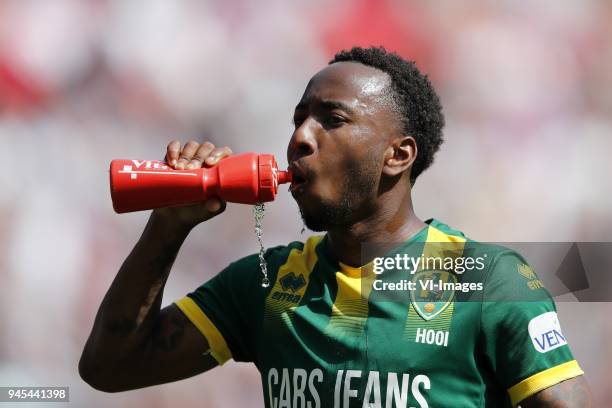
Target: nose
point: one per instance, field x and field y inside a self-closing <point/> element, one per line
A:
<point x="303" y="141"/>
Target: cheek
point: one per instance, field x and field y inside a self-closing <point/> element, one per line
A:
<point x="348" y="180"/>
<point x="349" y="158"/>
<point x="331" y="186"/>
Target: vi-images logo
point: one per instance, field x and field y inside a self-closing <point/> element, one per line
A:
<point x="545" y="332"/>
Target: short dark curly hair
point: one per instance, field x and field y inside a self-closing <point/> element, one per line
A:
<point x="416" y="99"/>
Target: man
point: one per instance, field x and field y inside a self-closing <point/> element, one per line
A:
<point x="325" y="333"/>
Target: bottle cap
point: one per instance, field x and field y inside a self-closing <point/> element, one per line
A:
<point x="269" y="177"/>
<point x="284" y="177"/>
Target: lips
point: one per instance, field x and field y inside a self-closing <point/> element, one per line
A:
<point x="300" y="178"/>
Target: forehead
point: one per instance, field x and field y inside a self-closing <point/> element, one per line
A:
<point x="355" y="84"/>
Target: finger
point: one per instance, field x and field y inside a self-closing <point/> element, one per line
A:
<point x="172" y="152"/>
<point x="217" y="154"/>
<point x="187" y="154"/>
<point x="200" y="155"/>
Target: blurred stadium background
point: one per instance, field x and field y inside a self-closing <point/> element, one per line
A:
<point x="526" y="92"/>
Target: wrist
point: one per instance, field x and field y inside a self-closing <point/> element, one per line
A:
<point x="168" y="226"/>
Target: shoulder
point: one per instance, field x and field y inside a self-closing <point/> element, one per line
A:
<point x="500" y="267"/>
<point x="453" y="242"/>
<point x="276" y="256"/>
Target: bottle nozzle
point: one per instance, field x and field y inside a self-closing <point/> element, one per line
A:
<point x="284" y="177"/>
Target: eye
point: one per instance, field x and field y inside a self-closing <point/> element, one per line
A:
<point x="333" y="120"/>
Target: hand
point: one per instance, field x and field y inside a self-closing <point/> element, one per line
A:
<point x="193" y="155"/>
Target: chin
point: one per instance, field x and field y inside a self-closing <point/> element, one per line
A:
<point x="314" y="224"/>
<point x="312" y="221"/>
<point x="326" y="216"/>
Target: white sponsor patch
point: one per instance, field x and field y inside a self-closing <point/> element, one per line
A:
<point x="545" y="332"/>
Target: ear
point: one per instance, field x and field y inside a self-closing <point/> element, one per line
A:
<point x="400" y="155"/>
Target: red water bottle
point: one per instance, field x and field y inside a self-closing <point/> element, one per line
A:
<point x="247" y="178"/>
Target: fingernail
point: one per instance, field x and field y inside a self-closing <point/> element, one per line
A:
<point x="190" y="166"/>
<point x="173" y="162"/>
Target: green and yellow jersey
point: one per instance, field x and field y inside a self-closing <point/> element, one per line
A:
<point x="326" y="334"/>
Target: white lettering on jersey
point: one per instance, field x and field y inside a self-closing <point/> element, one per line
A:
<point x="372" y="386"/>
<point x="348" y="392"/>
<point x="394" y="393"/>
<point x="297" y="388"/>
<point x="428" y="336"/>
<point x="418" y="380"/>
<point x="545" y="332"/>
<point x="285" y="391"/>
<point x="337" y="388"/>
<point x="299" y="376"/>
<point x="318" y="374"/>
<point x="272" y="373"/>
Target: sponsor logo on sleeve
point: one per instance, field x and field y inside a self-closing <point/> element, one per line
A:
<point x="292" y="282"/>
<point x="545" y="332"/>
<point x="533" y="282"/>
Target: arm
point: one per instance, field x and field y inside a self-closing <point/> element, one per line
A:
<point x="517" y="322"/>
<point x="572" y="393"/>
<point x="133" y="343"/>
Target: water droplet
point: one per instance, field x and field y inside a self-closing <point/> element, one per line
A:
<point x="259" y="211"/>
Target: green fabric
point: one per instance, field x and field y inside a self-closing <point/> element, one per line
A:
<point x="312" y="352"/>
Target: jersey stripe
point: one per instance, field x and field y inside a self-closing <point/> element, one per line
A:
<point x="436" y="235"/>
<point x="218" y="346"/>
<point x="438" y="244"/>
<point x="442" y="322"/>
<point x="350" y="309"/>
<point x="299" y="262"/>
<point x="543" y="380"/>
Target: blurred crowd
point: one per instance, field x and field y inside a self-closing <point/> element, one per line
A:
<point x="525" y="89"/>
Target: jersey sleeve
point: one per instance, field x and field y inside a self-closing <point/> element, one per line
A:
<point x="522" y="336"/>
<point x="229" y="307"/>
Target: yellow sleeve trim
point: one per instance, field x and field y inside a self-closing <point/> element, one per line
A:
<point x="543" y="380"/>
<point x="218" y="346"/>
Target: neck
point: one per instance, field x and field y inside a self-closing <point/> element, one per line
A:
<point x="394" y="221"/>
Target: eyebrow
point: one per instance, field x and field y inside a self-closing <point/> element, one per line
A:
<point x="328" y="105"/>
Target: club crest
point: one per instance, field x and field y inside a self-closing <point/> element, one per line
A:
<point x="431" y="296"/>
